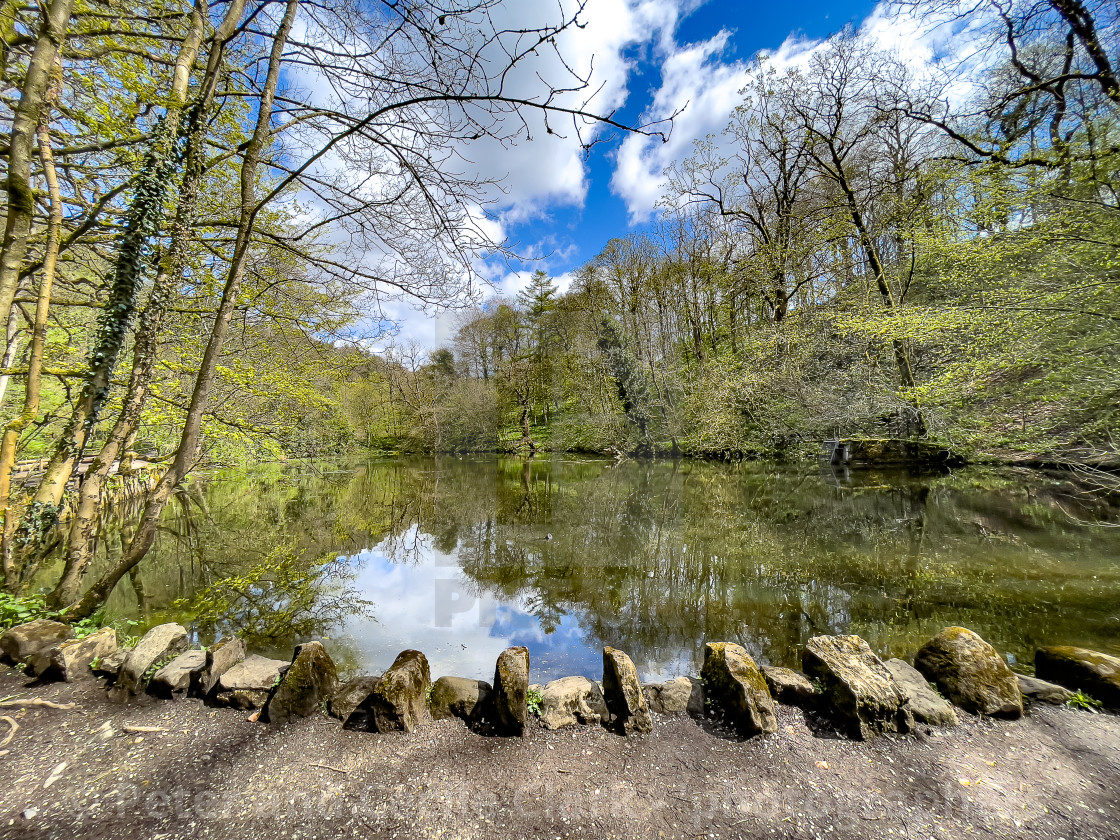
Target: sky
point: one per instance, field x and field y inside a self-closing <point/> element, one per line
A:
<point x="652" y="57"/>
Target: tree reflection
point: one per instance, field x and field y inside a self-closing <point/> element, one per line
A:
<point x="652" y="557"/>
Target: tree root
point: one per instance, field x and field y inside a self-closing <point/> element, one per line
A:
<point x="12" y="733"/>
<point x="49" y="704"/>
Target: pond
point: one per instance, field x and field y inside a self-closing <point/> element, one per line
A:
<point x="461" y="558"/>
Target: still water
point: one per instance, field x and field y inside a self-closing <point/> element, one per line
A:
<point x="461" y="558"/>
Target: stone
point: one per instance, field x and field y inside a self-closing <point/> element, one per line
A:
<point x="457" y="697"/>
<point x="246" y="685"/>
<point x="925" y="703"/>
<point x="31" y="644"/>
<point x="736" y="690"/>
<point x="789" y="687"/>
<point x="309" y="682"/>
<point x="220" y="657"/>
<point x="174" y="678"/>
<point x="71" y="660"/>
<point x="629" y="709"/>
<point x="110" y="664"/>
<point x="348" y="695"/>
<point x="571" y="700"/>
<point x="1041" y="691"/>
<point x="970" y="673"/>
<point x="399" y="700"/>
<point x="158" y="645"/>
<point x="1094" y="673"/>
<point x="506" y="710"/>
<point x="677" y="696"/>
<point x="856" y="689"/>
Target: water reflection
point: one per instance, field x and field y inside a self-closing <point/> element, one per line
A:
<point x="462" y="558"/>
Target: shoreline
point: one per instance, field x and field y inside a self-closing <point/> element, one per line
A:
<point x="186" y="771"/>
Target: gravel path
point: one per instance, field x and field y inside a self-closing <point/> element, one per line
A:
<point x="82" y="773"/>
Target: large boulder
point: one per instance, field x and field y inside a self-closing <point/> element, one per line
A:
<point x="457" y="697"/>
<point x="159" y="645"/>
<point x="349" y="695"/>
<point x="856" y="689"/>
<point x="626" y="702"/>
<point x="247" y="684"/>
<point x="1096" y="674"/>
<point x="1041" y="691"/>
<point x="311" y="680"/>
<point x="572" y="700"/>
<point x="789" y="687"/>
<point x="174" y="678"/>
<point x="676" y="696"/>
<point x="72" y="659"/>
<point x="31" y="644"/>
<point x="970" y="673"/>
<point x="399" y="700"/>
<point x="505" y="710"/>
<point x="736" y="690"/>
<point x="220" y="657"/>
<point x="927" y="706"/>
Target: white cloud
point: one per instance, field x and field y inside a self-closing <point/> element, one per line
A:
<point x="704" y="76"/>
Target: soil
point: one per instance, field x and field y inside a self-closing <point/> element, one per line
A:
<point x="82" y="773"/>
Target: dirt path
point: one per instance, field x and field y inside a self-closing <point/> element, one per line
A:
<point x="81" y="774"/>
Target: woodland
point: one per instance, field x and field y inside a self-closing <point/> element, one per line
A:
<point x="207" y="205"/>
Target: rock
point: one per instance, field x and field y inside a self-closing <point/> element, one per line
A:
<point x="31" y="644"/>
<point x="174" y="678"/>
<point x="158" y="645"/>
<point x="505" y="709"/>
<point x="457" y="697"/>
<point x="110" y="665"/>
<point x="736" y="689"/>
<point x="926" y="705"/>
<point x="970" y="673"/>
<point x="789" y="687"/>
<point x="1043" y="692"/>
<point x="220" y="657"/>
<point x="856" y="687"/>
<point x="629" y="709"/>
<point x="71" y="660"/>
<point x="572" y="700"/>
<point x="677" y="696"/>
<point x="310" y="681"/>
<point x="1096" y="674"/>
<point x="348" y="695"/>
<point x="246" y="685"/>
<point x="399" y="700"/>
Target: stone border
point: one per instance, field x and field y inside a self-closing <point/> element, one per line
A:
<point x="844" y="685"/>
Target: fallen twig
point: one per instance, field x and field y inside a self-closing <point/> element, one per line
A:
<point x="328" y="767"/>
<point x="134" y="729"/>
<point x="37" y="701"/>
<point x="15" y="728"/>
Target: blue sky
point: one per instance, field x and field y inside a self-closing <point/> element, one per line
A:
<point x="575" y="233"/>
<point x="651" y="57"/>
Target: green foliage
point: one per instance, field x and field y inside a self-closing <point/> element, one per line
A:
<point x="1081" y="700"/>
<point x="533" y="700"/>
<point x="16" y="610"/>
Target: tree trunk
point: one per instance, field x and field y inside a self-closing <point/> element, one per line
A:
<point x="33" y="388"/>
<point x="55" y="18"/>
<point x="146" y="346"/>
<point x="190" y="439"/>
<point x="871" y="253"/>
<point x="143" y="223"/>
